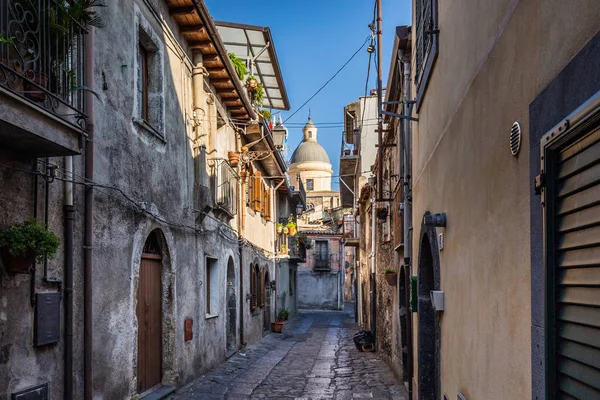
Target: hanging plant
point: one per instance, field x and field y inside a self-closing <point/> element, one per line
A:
<point x="255" y="90"/>
<point x="279" y="227"/>
<point x="238" y="65"/>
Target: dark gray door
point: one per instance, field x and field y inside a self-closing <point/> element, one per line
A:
<point x="573" y="262"/>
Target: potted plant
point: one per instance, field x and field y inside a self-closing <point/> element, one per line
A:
<point x="234" y="158"/>
<point x="21" y="245"/>
<point x="283" y="249"/>
<point x="285" y="230"/>
<point x="277" y="327"/>
<point x="304" y="240"/>
<point x="291" y="226"/>
<point x="391" y="276"/>
<point x="255" y="90"/>
<point x="279" y="227"/>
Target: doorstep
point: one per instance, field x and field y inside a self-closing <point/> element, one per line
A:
<point x="159" y="393"/>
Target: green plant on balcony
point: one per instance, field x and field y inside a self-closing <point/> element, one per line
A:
<point x="266" y="114"/>
<point x="279" y="227"/>
<point x="304" y="240"/>
<point x="6" y="41"/>
<point x="283" y="249"/>
<point x="24" y="243"/>
<point x="238" y="65"/>
<point x="292" y="228"/>
<point x="62" y="21"/>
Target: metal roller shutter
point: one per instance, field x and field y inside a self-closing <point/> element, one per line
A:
<point x="575" y="225"/>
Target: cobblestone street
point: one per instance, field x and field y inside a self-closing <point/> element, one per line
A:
<point x="314" y="358"/>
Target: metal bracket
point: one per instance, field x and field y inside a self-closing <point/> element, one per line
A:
<point x="540" y="182"/>
<point x="401" y="116"/>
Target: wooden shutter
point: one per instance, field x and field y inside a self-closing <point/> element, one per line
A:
<point x="253" y="290"/>
<point x="256" y="192"/>
<point x="261" y="294"/>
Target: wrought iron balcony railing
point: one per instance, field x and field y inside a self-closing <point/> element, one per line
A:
<point x="297" y="251"/>
<point x="226" y="187"/>
<point x="42" y="55"/>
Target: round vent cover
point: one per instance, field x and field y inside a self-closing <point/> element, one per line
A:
<point x="515" y="138"/>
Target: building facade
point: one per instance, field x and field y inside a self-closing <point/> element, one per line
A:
<point x="512" y="120"/>
<point x="167" y="258"/>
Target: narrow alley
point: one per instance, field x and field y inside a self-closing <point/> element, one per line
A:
<point x="314" y="358"/>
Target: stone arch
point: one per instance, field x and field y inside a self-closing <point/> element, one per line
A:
<point x="429" y="325"/>
<point x="153" y="240"/>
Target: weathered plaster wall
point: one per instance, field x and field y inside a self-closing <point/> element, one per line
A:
<point x="464" y="123"/>
<point x="322" y="289"/>
<point x="254" y="319"/>
<point x="21" y="364"/>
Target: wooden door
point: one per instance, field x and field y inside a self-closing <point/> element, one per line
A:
<point x="149" y="323"/>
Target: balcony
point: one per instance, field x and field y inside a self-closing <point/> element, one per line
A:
<point x="351" y="238"/>
<point x="349" y="156"/>
<point x="297" y="252"/>
<point x="226" y="186"/>
<point x="324" y="263"/>
<point x="41" y="75"/>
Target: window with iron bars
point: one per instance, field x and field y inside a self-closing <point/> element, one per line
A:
<point x="426" y="43"/>
<point x="226" y="188"/>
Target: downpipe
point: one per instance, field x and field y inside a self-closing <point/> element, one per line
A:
<point x="88" y="219"/>
<point x="68" y="277"/>
<point x="373" y="260"/>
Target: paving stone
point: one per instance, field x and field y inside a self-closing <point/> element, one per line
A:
<point x="315" y="358"/>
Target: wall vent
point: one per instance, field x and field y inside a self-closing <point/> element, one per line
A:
<point x="515" y="138"/>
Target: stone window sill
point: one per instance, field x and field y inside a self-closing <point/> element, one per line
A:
<point x="211" y="316"/>
<point x="144" y="125"/>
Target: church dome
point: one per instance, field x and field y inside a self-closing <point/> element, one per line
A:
<point x="310" y="151"/>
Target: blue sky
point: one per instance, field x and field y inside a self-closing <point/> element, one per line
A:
<point x="313" y="39"/>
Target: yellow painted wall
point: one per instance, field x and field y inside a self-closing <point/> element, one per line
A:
<point x="495" y="57"/>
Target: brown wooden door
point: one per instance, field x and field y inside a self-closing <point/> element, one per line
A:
<point x="149" y="323"/>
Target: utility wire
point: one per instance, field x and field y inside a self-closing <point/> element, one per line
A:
<point x="330" y="79"/>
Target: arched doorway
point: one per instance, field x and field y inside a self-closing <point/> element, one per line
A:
<point x="429" y="328"/>
<point x="267" y="297"/>
<point x="231" y="308"/>
<point x="149" y="315"/>
<point x="404" y="321"/>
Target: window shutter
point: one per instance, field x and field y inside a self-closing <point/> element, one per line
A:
<point x="253" y="289"/>
<point x="257" y="189"/>
<point x="261" y="294"/>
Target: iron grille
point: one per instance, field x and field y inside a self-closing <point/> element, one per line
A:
<point x="424" y="36"/>
<point x="42" y="54"/>
<point x="226" y="188"/>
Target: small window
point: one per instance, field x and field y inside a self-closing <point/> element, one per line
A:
<point x="212" y="285"/>
<point x="310" y="184"/>
<point x="310" y="135"/>
<point x="149" y="99"/>
<point x="254" y="285"/>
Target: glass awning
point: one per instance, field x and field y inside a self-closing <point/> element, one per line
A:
<point x="255" y="43"/>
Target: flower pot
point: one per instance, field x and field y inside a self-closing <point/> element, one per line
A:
<point x="355" y="152"/>
<point x="391" y="278"/>
<point x="346" y="152"/>
<point x="17" y="264"/>
<point x="277" y="327"/>
<point x="291" y="231"/>
<point x="251" y="85"/>
<point x="33" y="92"/>
<point x="234" y="158"/>
<point x="279" y="230"/>
<point x="286" y="230"/>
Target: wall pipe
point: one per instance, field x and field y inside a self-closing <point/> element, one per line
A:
<point x="88" y="218"/>
<point x="36" y="181"/>
<point x="373" y="260"/>
<point x="68" y="278"/>
<point x="407" y="220"/>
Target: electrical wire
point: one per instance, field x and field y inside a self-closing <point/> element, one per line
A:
<point x="330" y="79"/>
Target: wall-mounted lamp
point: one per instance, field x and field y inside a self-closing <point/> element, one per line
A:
<point x="435" y="219"/>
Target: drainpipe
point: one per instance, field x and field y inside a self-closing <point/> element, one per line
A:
<point x="68" y="277"/>
<point x="88" y="219"/>
<point x="373" y="259"/>
<point x="407" y="198"/>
